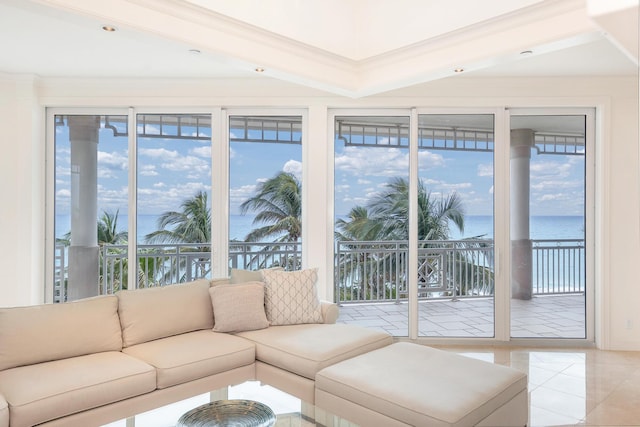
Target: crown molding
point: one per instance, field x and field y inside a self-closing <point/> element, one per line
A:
<point x="543" y="27"/>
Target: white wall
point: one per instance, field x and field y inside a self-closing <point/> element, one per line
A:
<point x="618" y="171"/>
<point x="21" y="192"/>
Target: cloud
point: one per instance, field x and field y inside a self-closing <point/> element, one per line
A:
<point x="110" y="199"/>
<point x="456" y="186"/>
<point x="429" y="159"/>
<point x="202" y="151"/>
<point x="195" y="166"/>
<point x="111" y="165"/>
<point x="161" y="153"/>
<point x="554" y="197"/>
<point x="148" y="129"/>
<point x="293" y="167"/>
<point x="485" y="169"/>
<point x="355" y="161"/>
<point x="238" y="195"/>
<point x="378" y="161"/>
<point x="242" y="193"/>
<point x="147" y="170"/>
<point x="553" y="185"/>
<point x="543" y="169"/>
<point x="169" y="197"/>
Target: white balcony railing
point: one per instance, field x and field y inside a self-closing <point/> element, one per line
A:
<point x="364" y="271"/>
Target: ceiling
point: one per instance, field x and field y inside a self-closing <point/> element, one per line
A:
<point x="354" y="48"/>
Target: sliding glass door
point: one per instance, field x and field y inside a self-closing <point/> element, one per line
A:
<point x="371" y="175"/>
<point x="549" y="212"/>
<point x="452" y="198"/>
<point x="536" y="173"/>
<point x="456" y="276"/>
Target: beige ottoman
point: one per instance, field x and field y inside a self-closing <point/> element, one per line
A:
<point x="410" y="384"/>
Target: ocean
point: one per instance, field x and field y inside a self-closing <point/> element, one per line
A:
<point x="541" y="227"/>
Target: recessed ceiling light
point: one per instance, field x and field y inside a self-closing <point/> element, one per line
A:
<point x="259" y="70"/>
<point x="109" y="28"/>
<point x="526" y="52"/>
<point x="194" y="51"/>
<point x="458" y="70"/>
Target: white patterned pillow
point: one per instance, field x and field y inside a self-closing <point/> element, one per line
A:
<point x="291" y="297"/>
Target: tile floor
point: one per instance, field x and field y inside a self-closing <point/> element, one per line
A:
<point x="567" y="387"/>
<point x="584" y="387"/>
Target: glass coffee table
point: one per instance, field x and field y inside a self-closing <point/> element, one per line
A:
<point x="290" y="411"/>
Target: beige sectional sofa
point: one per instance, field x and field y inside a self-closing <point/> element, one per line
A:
<point x="92" y="361"/>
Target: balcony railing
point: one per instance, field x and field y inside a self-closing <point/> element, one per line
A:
<point x="364" y="271"/>
<point x="377" y="270"/>
<point x="558" y="266"/>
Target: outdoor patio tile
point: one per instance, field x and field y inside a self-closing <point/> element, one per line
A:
<point x="450" y="326"/>
<point x="551" y="316"/>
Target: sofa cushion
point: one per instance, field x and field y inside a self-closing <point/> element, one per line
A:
<point x="291" y="297"/>
<point x="42" y="333"/>
<point x="239" y="307"/>
<point x="46" y="391"/>
<point x="152" y="313"/>
<point x="4" y="412"/>
<point x="219" y="281"/>
<point x="306" y="349"/>
<point x="186" y="357"/>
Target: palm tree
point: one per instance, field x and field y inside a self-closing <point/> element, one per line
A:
<point x="113" y="260"/>
<point x="279" y="209"/>
<point x="108" y="233"/>
<point x="385" y="218"/>
<point x="359" y="259"/>
<point x="390" y="209"/>
<point x="192" y="224"/>
<point x="359" y="227"/>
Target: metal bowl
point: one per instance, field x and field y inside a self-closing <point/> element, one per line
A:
<point x="227" y="413"/>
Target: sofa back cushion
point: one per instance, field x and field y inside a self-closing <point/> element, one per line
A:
<point x="42" y="333"/>
<point x="153" y="313"/>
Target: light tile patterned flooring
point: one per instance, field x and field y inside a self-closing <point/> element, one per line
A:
<point x="567" y="387"/>
<point x="557" y="316"/>
<point x="576" y="387"/>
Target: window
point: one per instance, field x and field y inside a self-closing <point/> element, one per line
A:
<point x="265" y="192"/>
<point x="91" y="199"/>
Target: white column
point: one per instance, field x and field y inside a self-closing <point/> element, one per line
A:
<point x="83" y="252"/>
<point x="521" y="250"/>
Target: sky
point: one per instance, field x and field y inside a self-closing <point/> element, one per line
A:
<point x="170" y="171"/>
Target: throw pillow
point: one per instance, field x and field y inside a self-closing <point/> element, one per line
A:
<point x="291" y="297"/>
<point x="238" y="308"/>
<point x="243" y="276"/>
